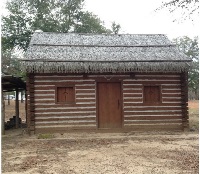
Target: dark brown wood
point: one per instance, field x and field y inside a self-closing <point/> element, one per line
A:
<point x="66" y="109"/>
<point x="17" y="109"/>
<point x="132" y="91"/>
<point x="30" y="103"/>
<point x="109" y="105"/>
<point x="133" y="95"/>
<point x="153" y="82"/>
<point x="66" y="119"/>
<point x="60" y="106"/>
<point x="153" y="121"/>
<point x="184" y="100"/>
<point x="64" y="114"/>
<point x="171" y="95"/>
<point x="147" y="104"/>
<point x="153" y="117"/>
<point x="151" y="94"/>
<point x="171" y="100"/>
<point x="171" y="91"/>
<point x="157" y="78"/>
<point x="67" y="123"/>
<point x="88" y="97"/>
<point x="2" y="112"/>
<point x="153" y="113"/>
<point x="153" y="108"/>
<point x="134" y="101"/>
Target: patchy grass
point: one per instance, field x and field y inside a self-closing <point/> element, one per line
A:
<point x="194" y="114"/>
<point x="194" y="118"/>
<point x="45" y="136"/>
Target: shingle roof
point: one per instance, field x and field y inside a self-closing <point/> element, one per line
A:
<point x="69" y="52"/>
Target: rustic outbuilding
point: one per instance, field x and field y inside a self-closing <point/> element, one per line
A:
<point x="105" y="82"/>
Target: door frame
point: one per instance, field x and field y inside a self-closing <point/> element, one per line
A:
<point x="121" y="102"/>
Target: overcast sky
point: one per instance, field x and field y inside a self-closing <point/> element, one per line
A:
<point x="139" y="17"/>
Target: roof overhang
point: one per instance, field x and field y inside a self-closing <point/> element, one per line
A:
<point x="11" y="83"/>
<point x="105" y="66"/>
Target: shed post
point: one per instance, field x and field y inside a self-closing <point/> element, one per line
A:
<point x="17" y="109"/>
<point x="8" y="99"/>
<point x="22" y="100"/>
<point x="2" y="113"/>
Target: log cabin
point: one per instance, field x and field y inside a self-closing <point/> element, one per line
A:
<point x="105" y="82"/>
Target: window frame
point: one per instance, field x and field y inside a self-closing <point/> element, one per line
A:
<point x="66" y="102"/>
<point x="160" y="94"/>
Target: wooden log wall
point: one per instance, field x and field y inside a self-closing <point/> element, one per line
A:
<point x="30" y="103"/>
<point x="165" y="115"/>
<point x="184" y="104"/>
<point x="49" y="116"/>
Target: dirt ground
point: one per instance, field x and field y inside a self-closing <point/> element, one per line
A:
<point x="121" y="153"/>
<point x="10" y="110"/>
<point x="102" y="153"/>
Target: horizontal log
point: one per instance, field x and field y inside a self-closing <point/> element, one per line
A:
<point x="169" y="86"/>
<point x="56" y="78"/>
<point x="85" y="92"/>
<point x="158" y="74"/>
<point x="127" y="86"/>
<point x="47" y="87"/>
<point x="151" y="108"/>
<point x="151" y="82"/>
<point x="133" y="100"/>
<point x="44" y="92"/>
<point x="130" y="89"/>
<point x="63" y="110"/>
<point x="44" y="100"/>
<point x="55" y="81"/>
<point x="171" y="95"/>
<point x="132" y="95"/>
<point x="133" y="91"/>
<point x="171" y="99"/>
<point x="47" y="96"/>
<point x="152" y="121"/>
<point x="65" y="114"/>
<point x="82" y="100"/>
<point x="151" y="113"/>
<point x="55" y="84"/>
<point x="84" y="87"/>
<point x="152" y="117"/>
<point x="59" y="106"/>
<point x="150" y="77"/>
<point x="129" y="103"/>
<point x="171" y="91"/>
<point x="65" y="123"/>
<point x="65" y="119"/>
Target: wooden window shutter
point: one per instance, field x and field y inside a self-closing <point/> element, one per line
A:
<point x="152" y="94"/>
<point x="65" y="94"/>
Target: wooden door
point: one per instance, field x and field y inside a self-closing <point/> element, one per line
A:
<point x="109" y="105"/>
